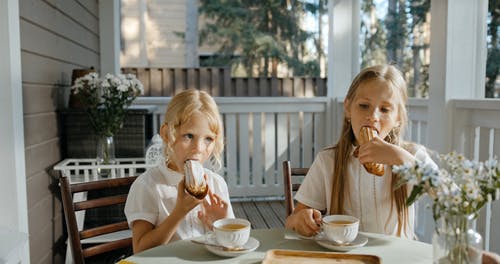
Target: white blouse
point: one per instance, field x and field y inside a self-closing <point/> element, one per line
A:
<point x="369" y="196"/>
<point x="153" y="195"/>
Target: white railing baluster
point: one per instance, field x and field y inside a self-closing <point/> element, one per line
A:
<point x="257" y="150"/>
<point x="231" y="150"/>
<point x="294" y="147"/>
<point x="307" y="140"/>
<point x="477" y="140"/>
<point x="269" y="151"/>
<point x="244" y="151"/>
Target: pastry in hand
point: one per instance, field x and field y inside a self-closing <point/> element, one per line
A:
<point x="366" y="134"/>
<point x="194" y="177"/>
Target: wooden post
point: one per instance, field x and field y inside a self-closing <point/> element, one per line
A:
<point x="458" y="64"/>
<point x="109" y="36"/>
<point x="457" y="70"/>
<point x="13" y="197"/>
<point x="343" y="45"/>
<point x="343" y="51"/>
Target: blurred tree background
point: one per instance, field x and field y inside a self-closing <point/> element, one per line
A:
<point x="257" y="36"/>
<point x="272" y="38"/>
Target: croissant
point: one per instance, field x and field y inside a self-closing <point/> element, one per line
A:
<point x="366" y="134"/>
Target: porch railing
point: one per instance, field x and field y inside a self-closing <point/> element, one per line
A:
<point x="261" y="132"/>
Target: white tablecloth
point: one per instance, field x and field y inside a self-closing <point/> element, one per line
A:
<point x="390" y="249"/>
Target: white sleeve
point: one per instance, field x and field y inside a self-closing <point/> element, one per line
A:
<point x="422" y="155"/>
<point x="312" y="191"/>
<point x="141" y="204"/>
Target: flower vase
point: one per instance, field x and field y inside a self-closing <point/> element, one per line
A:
<point x="105" y="154"/>
<point x="456" y="241"/>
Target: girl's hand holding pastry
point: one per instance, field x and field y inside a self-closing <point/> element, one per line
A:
<point x="185" y="201"/>
<point x="379" y="151"/>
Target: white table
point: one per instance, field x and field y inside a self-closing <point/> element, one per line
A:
<point x="391" y="250"/>
<point x="86" y="170"/>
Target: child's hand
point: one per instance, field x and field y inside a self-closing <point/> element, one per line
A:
<point x="306" y="222"/>
<point x="185" y="202"/>
<point x="216" y="209"/>
<point x="380" y="151"/>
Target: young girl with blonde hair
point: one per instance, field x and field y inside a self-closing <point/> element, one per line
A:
<point x="158" y="208"/>
<point x="338" y="183"/>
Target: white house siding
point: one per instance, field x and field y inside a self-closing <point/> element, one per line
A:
<point x="57" y="36"/>
<point x="157" y="23"/>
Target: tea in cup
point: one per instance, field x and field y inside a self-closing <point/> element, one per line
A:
<point x="340" y="229"/>
<point x="232" y="232"/>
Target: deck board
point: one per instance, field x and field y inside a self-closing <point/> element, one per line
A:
<point x="254" y="215"/>
<point x="262" y="214"/>
<point x="272" y="220"/>
<point x="279" y="209"/>
<point x="238" y="210"/>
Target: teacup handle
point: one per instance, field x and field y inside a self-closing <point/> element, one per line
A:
<point x="210" y="236"/>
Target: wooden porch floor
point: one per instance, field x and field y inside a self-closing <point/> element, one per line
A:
<point x="262" y="214"/>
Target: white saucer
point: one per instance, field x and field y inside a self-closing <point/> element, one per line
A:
<point x="359" y="241"/>
<point x="252" y="244"/>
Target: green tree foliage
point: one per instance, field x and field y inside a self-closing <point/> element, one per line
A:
<point x="373" y="36"/>
<point x="402" y="37"/>
<point x="259" y="35"/>
<point x="493" y="60"/>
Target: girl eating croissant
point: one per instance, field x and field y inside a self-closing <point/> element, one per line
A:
<point x="354" y="176"/>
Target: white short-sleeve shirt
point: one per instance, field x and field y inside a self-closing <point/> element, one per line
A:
<point x="369" y="196"/>
<point x="153" y="195"/>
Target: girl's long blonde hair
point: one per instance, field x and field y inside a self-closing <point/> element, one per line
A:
<point x="343" y="149"/>
<point x="181" y="108"/>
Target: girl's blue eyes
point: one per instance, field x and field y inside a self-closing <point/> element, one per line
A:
<point x="191" y="136"/>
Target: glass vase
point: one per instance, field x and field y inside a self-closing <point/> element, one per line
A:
<point x="455" y="241"/>
<point x="105" y="154"/>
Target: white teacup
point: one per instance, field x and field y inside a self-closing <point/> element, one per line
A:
<point x="340" y="229"/>
<point x="232" y="232"/>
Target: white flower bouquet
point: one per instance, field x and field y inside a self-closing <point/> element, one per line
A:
<point x="459" y="189"/>
<point x="106" y="99"/>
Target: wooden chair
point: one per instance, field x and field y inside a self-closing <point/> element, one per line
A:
<point x="291" y="186"/>
<point x="103" y="238"/>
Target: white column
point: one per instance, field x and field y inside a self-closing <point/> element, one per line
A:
<point x="109" y="36"/>
<point x="13" y="202"/>
<point x="458" y="63"/>
<point x="457" y="70"/>
<point x="343" y="45"/>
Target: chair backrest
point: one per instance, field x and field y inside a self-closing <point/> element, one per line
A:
<point x="290" y="184"/>
<point x="71" y="208"/>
